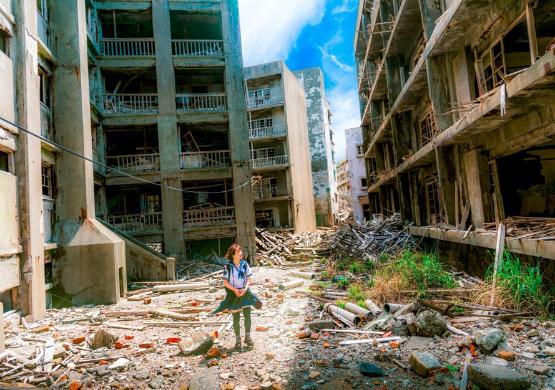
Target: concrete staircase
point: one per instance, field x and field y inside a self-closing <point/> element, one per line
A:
<point x="142" y="262"/>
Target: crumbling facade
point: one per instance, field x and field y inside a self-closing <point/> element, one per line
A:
<point x="153" y="90"/>
<point x="167" y="96"/>
<point x="356" y="172"/>
<point x="321" y="145"/>
<point x="50" y="235"/>
<point x="279" y="143"/>
<point x="458" y="115"/>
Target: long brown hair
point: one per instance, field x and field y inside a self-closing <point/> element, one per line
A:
<point x="232" y="250"/>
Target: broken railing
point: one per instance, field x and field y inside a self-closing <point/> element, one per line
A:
<point x="266" y="191"/>
<point x="197" y="48"/>
<point x="264" y="101"/>
<point x="209" y="159"/>
<point x="269" y="161"/>
<point x="127" y="47"/>
<point x="130" y="103"/>
<point x="209" y="216"/>
<point x="268" y="131"/>
<point x="135" y="162"/>
<point x="135" y="223"/>
<point x="201" y="102"/>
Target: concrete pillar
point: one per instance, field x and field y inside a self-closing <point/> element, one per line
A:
<point x="168" y="136"/>
<point x="403" y="186"/>
<point x="31" y="291"/>
<point x="238" y="134"/>
<point x="447" y="177"/>
<point x="438" y="84"/>
<point x="477" y="181"/>
<point x="92" y="264"/>
<point x="393" y="77"/>
<point x="2" y="337"/>
<point x="430" y="11"/>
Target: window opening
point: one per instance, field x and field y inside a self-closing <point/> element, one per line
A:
<point x="4" y="162"/>
<point x="428" y="127"/>
<point x="47" y="188"/>
<point x="432" y="200"/>
<point x="260" y="123"/>
<point x="4" y="42"/>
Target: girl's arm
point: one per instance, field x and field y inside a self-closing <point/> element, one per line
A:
<point x="244" y="290"/>
<point x="228" y="285"/>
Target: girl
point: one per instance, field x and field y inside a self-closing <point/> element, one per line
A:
<point x="237" y="279"/>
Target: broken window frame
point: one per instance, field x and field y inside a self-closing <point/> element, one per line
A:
<point x="487" y="58"/>
<point x="360" y="150"/>
<point x="263" y="153"/>
<point x="44" y="88"/>
<point x="427" y="127"/>
<point x="47" y="180"/>
<point x="432" y="202"/>
<point x="260" y="95"/>
<point x="5" y="38"/>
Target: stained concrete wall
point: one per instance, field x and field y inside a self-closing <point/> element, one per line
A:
<point x="297" y="138"/>
<point x="357" y="171"/>
<point x="321" y="148"/>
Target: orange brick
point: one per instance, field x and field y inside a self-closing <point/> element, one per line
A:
<point x="146" y="345"/>
<point x="262" y="328"/>
<point x="78" y="340"/>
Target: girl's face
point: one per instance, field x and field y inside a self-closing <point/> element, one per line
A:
<point x="238" y="254"/>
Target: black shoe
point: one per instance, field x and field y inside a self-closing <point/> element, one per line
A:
<point x="248" y="340"/>
<point x="258" y="305"/>
<point x="237" y="346"/>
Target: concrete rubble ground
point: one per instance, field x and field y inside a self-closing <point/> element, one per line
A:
<point x="161" y="337"/>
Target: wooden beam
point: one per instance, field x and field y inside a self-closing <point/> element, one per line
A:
<point x="499" y="248"/>
<point x="532" y="38"/>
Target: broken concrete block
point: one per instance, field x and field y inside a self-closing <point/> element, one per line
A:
<point x="490" y="377"/>
<point x="103" y="339"/>
<point x="430" y="323"/>
<point x="423" y="363"/>
<point x="488" y="339"/>
<point x="197" y="344"/>
<point x="321" y="324"/>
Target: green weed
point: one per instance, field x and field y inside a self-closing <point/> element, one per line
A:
<point x="355" y="293"/>
<point x="423" y="271"/>
<point x="356" y="267"/>
<point x="523" y="282"/>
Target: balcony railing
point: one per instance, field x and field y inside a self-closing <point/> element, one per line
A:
<point x="197" y="48"/>
<point x="43" y="29"/>
<point x="269" y="162"/>
<point x="127" y="47"/>
<point x="135" y="162"/>
<point x="127" y="103"/>
<point x="270" y="131"/>
<point x="135" y="223"/>
<point x="264" y="101"/>
<point x="209" y="159"/>
<point x="268" y="191"/>
<point x="209" y="216"/>
<point x="46" y="129"/>
<point x="201" y="102"/>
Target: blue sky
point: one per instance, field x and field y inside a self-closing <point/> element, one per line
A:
<point x="308" y="33"/>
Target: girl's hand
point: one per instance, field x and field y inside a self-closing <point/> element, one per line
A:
<point x="238" y="292"/>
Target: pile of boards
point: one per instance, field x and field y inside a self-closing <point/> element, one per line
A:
<point x="288" y="249"/>
<point x="531" y="228"/>
<point x="370" y="240"/>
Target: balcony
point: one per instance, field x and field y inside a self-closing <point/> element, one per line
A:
<point x="137" y="223"/>
<point x="201" y="102"/>
<point x="269" y="162"/>
<point x="208" y="159"/>
<point x="267" y="132"/>
<point x="46" y="129"/>
<point x="43" y="29"/>
<point x="209" y="216"/>
<point x="264" y="192"/>
<point x="127" y="47"/>
<point x="258" y="102"/>
<point x="135" y="163"/>
<point x="197" y="48"/>
<point x="129" y="104"/>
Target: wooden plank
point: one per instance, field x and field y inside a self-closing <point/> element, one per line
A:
<point x="499" y="247"/>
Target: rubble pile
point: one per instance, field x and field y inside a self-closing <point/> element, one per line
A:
<point x="288" y="249"/>
<point x="370" y="240"/>
<point x="162" y="337"/>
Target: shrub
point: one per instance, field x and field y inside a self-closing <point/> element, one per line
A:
<point x="422" y="271"/>
<point x="355" y="293"/>
<point x="356" y="267"/>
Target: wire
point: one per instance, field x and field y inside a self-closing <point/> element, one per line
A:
<point x="65" y="149"/>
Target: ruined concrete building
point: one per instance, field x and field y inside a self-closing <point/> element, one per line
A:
<point x="458" y="110"/>
<point x="155" y="90"/>
<point x="321" y="145"/>
<point x="356" y="174"/>
<point x="279" y="145"/>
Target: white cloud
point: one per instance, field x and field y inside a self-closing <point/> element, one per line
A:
<point x="269" y="28"/>
<point x="346" y="115"/>
<point x="346" y="6"/>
